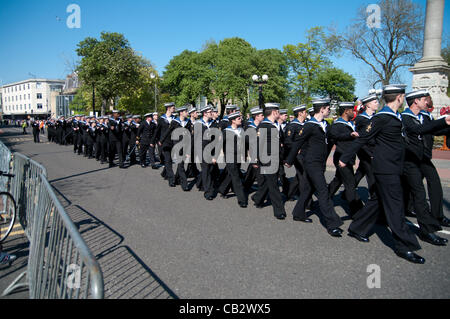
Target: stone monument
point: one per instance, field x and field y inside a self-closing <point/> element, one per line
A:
<point x="431" y="72"/>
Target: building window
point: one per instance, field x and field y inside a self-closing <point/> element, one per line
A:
<point x="38" y="85"/>
<point x="28" y="96"/>
<point x="39" y="96"/>
<point x="39" y="106"/>
<point x="29" y="106"/>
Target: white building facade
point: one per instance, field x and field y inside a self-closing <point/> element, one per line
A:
<point x="32" y="97"/>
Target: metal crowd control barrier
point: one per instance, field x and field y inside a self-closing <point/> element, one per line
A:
<point x="25" y="189"/>
<point x="60" y="265"/>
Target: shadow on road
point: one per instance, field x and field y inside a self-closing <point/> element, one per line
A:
<point x="125" y="275"/>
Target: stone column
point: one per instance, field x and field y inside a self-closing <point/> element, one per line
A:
<point x="431" y="72"/>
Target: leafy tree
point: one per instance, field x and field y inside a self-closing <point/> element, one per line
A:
<point x="335" y="83"/>
<point x="307" y="60"/>
<point x="273" y="63"/>
<point x="110" y="65"/>
<point x="395" y="45"/>
<point x="185" y="78"/>
<point x="141" y="100"/>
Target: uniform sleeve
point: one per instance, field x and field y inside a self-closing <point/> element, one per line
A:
<point x="412" y="127"/>
<point x="300" y="138"/>
<point x="370" y="133"/>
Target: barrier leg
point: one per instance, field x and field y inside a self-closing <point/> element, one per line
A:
<point x="16" y="285"/>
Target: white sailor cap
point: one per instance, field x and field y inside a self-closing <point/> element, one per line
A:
<point x="167" y="105"/>
<point x="311" y="110"/>
<point x="394" y="89"/>
<point x="234" y="115"/>
<point x="346" y="105"/>
<point x="369" y="98"/>
<point x="148" y="115"/>
<point x="321" y="102"/>
<point x="182" y="108"/>
<point x="283" y="111"/>
<point x="192" y="110"/>
<point x="136" y="117"/>
<point x="115" y="111"/>
<point x="417" y="94"/>
<point x="255" y="111"/>
<point x="272" y="106"/>
<point x="299" y="108"/>
<point x="206" y="108"/>
<point x="231" y="107"/>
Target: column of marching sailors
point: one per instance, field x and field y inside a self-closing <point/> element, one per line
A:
<point x="394" y="152"/>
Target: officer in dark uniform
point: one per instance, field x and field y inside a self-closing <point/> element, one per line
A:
<point x="50" y="130"/>
<point x="224" y="123"/>
<point x="35" y="126"/>
<point x="268" y="161"/>
<point x="126" y="135"/>
<point x="102" y="140"/>
<point x="90" y="138"/>
<point x="203" y="125"/>
<point x="76" y="133"/>
<point x="292" y="131"/>
<point x="388" y="157"/>
<point x="192" y="167"/>
<point x="313" y="140"/>
<point x="58" y="133"/>
<point x="429" y="170"/>
<point x="233" y="137"/>
<point x="81" y="127"/>
<point x="66" y="132"/>
<point x="342" y="133"/>
<point x="370" y="105"/>
<point x="414" y="129"/>
<point x="115" y="139"/>
<point x="180" y="122"/>
<point x="163" y="139"/>
<point x="257" y="116"/>
<point x="145" y="135"/>
<point x="134" y="127"/>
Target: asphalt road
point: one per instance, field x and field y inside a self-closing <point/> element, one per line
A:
<point x="153" y="241"/>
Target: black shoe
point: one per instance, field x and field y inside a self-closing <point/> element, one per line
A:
<point x="304" y="220"/>
<point x="112" y="165"/>
<point x="243" y="205"/>
<point x="143" y="166"/>
<point x="358" y="237"/>
<point x="411" y="257"/>
<point x="281" y="217"/>
<point x="154" y="166"/>
<point x="411" y="214"/>
<point x="445" y="222"/>
<point x="172" y="185"/>
<point x="335" y="232"/>
<point x="122" y="166"/>
<point x="433" y="239"/>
